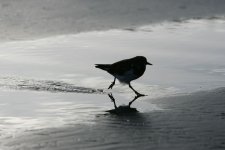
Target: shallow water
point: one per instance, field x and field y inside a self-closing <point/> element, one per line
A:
<point x="52" y="97"/>
<point x="34" y="19"/>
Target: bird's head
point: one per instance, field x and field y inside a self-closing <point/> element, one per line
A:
<point x="142" y="60"/>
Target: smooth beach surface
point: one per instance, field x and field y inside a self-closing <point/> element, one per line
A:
<point x="52" y="97"/>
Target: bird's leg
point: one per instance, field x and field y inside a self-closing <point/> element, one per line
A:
<point x="138" y="94"/>
<point x="113" y="83"/>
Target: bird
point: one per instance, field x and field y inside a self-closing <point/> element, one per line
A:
<point x="126" y="70"/>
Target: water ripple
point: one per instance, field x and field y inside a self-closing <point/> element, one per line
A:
<point x="44" y="85"/>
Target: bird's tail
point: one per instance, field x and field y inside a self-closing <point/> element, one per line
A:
<point x="105" y="67"/>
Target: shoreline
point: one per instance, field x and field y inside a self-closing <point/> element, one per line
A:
<point x="33" y="20"/>
<point x="126" y="28"/>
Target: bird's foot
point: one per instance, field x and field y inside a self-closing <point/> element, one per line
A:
<point x="139" y="94"/>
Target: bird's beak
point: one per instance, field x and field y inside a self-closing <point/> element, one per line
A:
<point x="148" y="63"/>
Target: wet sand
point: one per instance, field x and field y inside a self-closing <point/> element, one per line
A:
<point x="193" y="121"/>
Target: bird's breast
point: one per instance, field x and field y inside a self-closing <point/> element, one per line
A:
<point x="139" y="70"/>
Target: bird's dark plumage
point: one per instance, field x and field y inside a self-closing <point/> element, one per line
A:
<point x="126" y="70"/>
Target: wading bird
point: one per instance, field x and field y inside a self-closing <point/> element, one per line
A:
<point x="126" y="70"/>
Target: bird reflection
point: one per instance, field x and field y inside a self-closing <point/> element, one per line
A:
<point x="124" y="109"/>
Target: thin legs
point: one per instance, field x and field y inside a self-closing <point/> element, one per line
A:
<point x="136" y="92"/>
<point x="113" y="83"/>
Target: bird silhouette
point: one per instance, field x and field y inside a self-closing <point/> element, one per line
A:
<point x="126" y="70"/>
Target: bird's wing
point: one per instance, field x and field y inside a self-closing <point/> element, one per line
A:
<point x="121" y="67"/>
